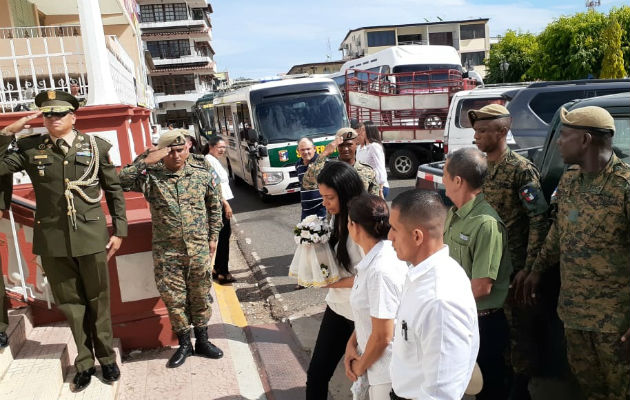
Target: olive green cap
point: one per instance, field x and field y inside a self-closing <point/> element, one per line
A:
<point x="347" y="133"/>
<point x="491" y="111"/>
<point x="176" y="137"/>
<point x="56" y="101"/>
<point x="593" y="119"/>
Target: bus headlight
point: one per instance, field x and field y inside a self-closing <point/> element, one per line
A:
<point x="272" y="178"/>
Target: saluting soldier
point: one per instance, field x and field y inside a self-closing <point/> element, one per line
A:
<point x="185" y="200"/>
<point x="589" y="237"/>
<point x="70" y="171"/>
<point x="512" y="188"/>
<point x="346" y="143"/>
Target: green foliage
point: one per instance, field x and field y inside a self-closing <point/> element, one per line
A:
<point x="612" y="64"/>
<point x="571" y="47"/>
<point x="518" y="51"/>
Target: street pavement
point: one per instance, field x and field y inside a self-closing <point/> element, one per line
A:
<point x="264" y="231"/>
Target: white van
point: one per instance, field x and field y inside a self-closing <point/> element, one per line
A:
<point x="459" y="132"/>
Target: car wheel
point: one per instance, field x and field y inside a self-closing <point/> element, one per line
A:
<point x="403" y="164"/>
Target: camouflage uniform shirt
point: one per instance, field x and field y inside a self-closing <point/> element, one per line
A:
<point x="512" y="187"/>
<point x="590" y="238"/>
<point x="365" y="172"/>
<point x="185" y="205"/>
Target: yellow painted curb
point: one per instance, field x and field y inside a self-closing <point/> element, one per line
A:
<point x="229" y="306"/>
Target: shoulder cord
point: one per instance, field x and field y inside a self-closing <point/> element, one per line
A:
<point x="79" y="183"/>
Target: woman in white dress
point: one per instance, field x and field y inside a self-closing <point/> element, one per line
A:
<point x="370" y="152"/>
<point x="338" y="183"/>
<point x="375" y="295"/>
<point x="216" y="148"/>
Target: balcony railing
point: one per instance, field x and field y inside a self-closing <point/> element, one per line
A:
<point x="25" y="72"/>
<point x="19" y="32"/>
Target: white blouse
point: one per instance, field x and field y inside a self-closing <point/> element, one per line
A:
<point x="223" y="176"/>
<point x="373" y="155"/>
<point x="338" y="299"/>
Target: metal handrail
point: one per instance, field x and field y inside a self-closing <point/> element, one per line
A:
<point x="17" y="32"/>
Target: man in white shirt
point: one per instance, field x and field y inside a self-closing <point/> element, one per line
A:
<point x="436" y="338"/>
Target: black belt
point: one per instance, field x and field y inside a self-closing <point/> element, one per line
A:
<point x="394" y="396"/>
<point x="485" y="313"/>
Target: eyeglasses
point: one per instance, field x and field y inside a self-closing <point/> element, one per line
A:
<point x="56" y="114"/>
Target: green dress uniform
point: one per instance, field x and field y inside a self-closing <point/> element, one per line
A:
<point x="70" y="230"/>
<point x="5" y="203"/>
<point x="512" y="188"/>
<point x="186" y="214"/>
<point x="590" y="238"/>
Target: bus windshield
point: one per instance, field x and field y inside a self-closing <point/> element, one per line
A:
<point x="289" y="118"/>
<point x="401" y="69"/>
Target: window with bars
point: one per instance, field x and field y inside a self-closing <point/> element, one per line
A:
<point x="173" y="84"/>
<point x="169" y="48"/>
<point x="163" y="12"/>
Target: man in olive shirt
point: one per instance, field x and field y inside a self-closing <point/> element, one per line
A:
<point x="512" y="188"/>
<point x="70" y="171"/>
<point x="477" y="240"/>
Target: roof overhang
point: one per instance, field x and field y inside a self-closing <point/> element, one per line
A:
<point x="113" y="11"/>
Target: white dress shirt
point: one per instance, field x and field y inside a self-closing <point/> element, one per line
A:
<point x="376" y="294"/>
<point x="433" y="358"/>
<point x="223" y="176"/>
<point x="338" y="299"/>
<point x="373" y="155"/>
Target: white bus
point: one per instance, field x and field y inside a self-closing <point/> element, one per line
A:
<point x="406" y="91"/>
<point x="262" y="124"/>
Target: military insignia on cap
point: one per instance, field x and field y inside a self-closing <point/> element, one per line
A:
<point x="52" y="95"/>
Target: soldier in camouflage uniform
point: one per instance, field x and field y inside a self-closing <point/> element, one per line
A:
<point x="512" y="187"/>
<point x="184" y="196"/>
<point x="589" y="238"/>
<point x="346" y="142"/>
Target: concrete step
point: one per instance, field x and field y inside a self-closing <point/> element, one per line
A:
<point x="20" y="326"/>
<point x="38" y="370"/>
<point x="98" y="388"/>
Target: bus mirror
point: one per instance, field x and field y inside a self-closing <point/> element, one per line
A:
<point x="262" y="151"/>
<point x="251" y="135"/>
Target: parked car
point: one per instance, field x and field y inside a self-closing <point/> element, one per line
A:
<point x="546" y="157"/>
<point x="533" y="107"/>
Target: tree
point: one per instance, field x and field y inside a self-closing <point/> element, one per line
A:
<point x="516" y="51"/>
<point x="622" y="15"/>
<point x="570" y="48"/>
<point x="612" y="64"/>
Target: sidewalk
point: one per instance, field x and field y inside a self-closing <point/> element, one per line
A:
<point x="262" y="362"/>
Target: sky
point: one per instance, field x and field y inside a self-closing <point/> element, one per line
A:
<point x="263" y="38"/>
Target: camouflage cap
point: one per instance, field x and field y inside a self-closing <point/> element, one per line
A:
<point x="491" y="111"/>
<point x="593" y="119"/>
<point x="176" y="137"/>
<point x="56" y="101"/>
<point x="347" y="133"/>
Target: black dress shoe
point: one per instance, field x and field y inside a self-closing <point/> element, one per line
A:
<point x="111" y="372"/>
<point x="184" y="351"/>
<point x="4" y="339"/>
<point x="203" y="347"/>
<point x="82" y="379"/>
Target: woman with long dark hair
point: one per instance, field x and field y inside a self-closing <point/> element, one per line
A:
<point x="375" y="295"/>
<point x="338" y="183"/>
<point x="370" y="151"/>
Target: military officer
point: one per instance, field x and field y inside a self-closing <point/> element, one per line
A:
<point x="512" y="188"/>
<point x="68" y="169"/>
<point x="185" y="200"/>
<point x="589" y="238"/>
<point x="346" y="143"/>
<point x="5" y="203"/>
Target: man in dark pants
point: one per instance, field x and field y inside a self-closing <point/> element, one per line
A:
<point x="68" y="170"/>
<point x="5" y="203"/>
<point x="477" y="240"/>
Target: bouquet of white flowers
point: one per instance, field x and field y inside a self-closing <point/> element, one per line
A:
<point x="314" y="263"/>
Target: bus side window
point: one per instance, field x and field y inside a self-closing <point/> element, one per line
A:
<point x="243" y="118"/>
<point x="229" y="122"/>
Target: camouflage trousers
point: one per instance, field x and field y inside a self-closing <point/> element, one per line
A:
<point x="524" y="343"/>
<point x="598" y="363"/>
<point x="184" y="282"/>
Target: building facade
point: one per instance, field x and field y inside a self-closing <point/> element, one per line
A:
<point x="327" y="67"/>
<point x="178" y="35"/>
<point x="469" y="37"/>
<point x="42" y="47"/>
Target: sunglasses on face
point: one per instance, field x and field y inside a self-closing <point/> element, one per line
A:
<point x="55" y="114"/>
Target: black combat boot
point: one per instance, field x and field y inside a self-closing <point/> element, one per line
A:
<point x="184" y="351"/>
<point x="203" y="347"/>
